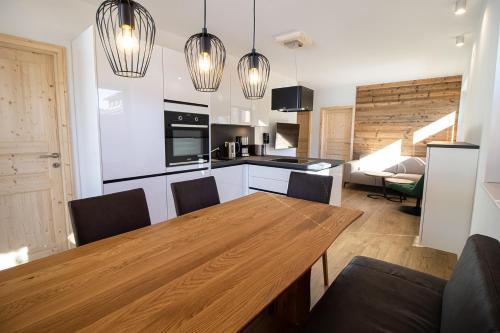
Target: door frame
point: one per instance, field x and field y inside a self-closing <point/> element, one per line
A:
<point x="58" y="54"/>
<point x="336" y="108"/>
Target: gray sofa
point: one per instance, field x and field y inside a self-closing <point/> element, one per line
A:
<point x="411" y="168"/>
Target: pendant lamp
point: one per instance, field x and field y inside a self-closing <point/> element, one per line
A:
<point x="205" y="58"/>
<point x="253" y="71"/>
<point x="127" y="32"/>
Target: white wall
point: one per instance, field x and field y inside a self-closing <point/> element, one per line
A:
<point x="481" y="76"/>
<point x="334" y="96"/>
<point x="276" y="117"/>
<point x="480" y="111"/>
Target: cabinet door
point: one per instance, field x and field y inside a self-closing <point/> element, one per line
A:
<point x="131" y="120"/>
<point x="241" y="108"/>
<point x="156" y="194"/>
<point x="177" y="81"/>
<point x="179" y="178"/>
<point x="220" y="101"/>
<point x="261" y="110"/>
<point x="231" y="182"/>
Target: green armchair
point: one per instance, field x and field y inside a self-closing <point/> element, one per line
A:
<point x="411" y="190"/>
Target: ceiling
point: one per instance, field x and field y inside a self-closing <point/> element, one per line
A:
<point x="355" y="41"/>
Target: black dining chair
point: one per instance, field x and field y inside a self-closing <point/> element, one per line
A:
<point x="108" y="215"/>
<point x="313" y="188"/>
<point x="195" y="194"/>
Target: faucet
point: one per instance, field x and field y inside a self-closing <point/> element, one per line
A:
<point x="216" y="149"/>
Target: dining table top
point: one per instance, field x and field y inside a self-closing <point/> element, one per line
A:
<point x="212" y="270"/>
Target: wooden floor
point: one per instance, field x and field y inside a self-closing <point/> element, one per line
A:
<point x="383" y="232"/>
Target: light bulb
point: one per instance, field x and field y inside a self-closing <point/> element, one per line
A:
<point x="204" y="62"/>
<point x="126" y="39"/>
<point x="253" y="75"/>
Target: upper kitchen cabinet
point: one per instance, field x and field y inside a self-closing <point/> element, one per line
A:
<point x="220" y="101"/>
<point x="131" y="120"/>
<point x="241" y="108"/>
<point x="261" y="109"/>
<point x="177" y="81"/>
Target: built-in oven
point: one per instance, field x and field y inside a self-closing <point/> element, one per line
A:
<point x="186" y="138"/>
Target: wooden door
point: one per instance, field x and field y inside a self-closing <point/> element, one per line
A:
<point x="304" y="120"/>
<point x="336" y="133"/>
<point x="33" y="217"/>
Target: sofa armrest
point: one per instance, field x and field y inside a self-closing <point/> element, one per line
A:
<point x="346" y="178"/>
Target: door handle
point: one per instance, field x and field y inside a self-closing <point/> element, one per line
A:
<point x="53" y="155"/>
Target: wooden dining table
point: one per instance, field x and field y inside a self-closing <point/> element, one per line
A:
<point x="213" y="270"/>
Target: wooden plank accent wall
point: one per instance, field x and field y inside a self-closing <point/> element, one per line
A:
<point x="388" y="112"/>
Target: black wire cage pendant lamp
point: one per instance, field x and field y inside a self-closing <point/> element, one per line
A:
<point x="253" y="71"/>
<point x="205" y="57"/>
<point x="127" y="33"/>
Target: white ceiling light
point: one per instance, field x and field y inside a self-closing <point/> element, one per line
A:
<point x="460" y="41"/>
<point x="460" y="7"/>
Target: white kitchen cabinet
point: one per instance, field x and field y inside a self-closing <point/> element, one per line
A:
<point x="450" y="181"/>
<point x="155" y="190"/>
<point x="180" y="177"/>
<point x="232" y="182"/>
<point x="87" y="147"/>
<point x="241" y="108"/>
<point x="261" y="110"/>
<point x="177" y="81"/>
<point x="131" y="120"/>
<point x="220" y="101"/>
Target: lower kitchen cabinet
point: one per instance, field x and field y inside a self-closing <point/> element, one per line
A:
<point x="263" y="178"/>
<point x="232" y="182"/>
<point x="180" y="177"/>
<point x="156" y="195"/>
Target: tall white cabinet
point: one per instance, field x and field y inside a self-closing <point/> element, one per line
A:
<point x="450" y="181"/>
<point x="122" y="135"/>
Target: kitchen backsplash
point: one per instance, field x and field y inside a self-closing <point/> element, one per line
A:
<point x="222" y="133"/>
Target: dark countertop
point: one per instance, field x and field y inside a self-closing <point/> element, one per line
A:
<point x="313" y="165"/>
<point x="448" y="144"/>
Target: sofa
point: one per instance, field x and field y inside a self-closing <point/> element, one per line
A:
<point x="375" y="296"/>
<point x="411" y="168"/>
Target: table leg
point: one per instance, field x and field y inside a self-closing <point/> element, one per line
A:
<point x="293" y="305"/>
<point x="378" y="195"/>
<point x="384" y="193"/>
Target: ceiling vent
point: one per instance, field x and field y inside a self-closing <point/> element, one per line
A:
<point x="294" y="40"/>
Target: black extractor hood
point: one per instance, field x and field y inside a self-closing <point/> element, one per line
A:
<point x="292" y="99"/>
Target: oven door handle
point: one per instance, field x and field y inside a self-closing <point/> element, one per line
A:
<point x="188" y="126"/>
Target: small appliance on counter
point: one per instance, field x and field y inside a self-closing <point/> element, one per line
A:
<point x="265" y="141"/>
<point x="231" y="149"/>
<point x="256" y="150"/>
<point x="242" y="142"/>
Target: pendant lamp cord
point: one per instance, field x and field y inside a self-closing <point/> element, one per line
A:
<point x="253" y="25"/>
<point x="296" y="67"/>
<point x="205" y="14"/>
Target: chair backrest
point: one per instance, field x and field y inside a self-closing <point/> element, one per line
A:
<point x="471" y="298"/>
<point x="418" y="189"/>
<point x="108" y="215"/>
<point x="195" y="194"/>
<point x="310" y="187"/>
